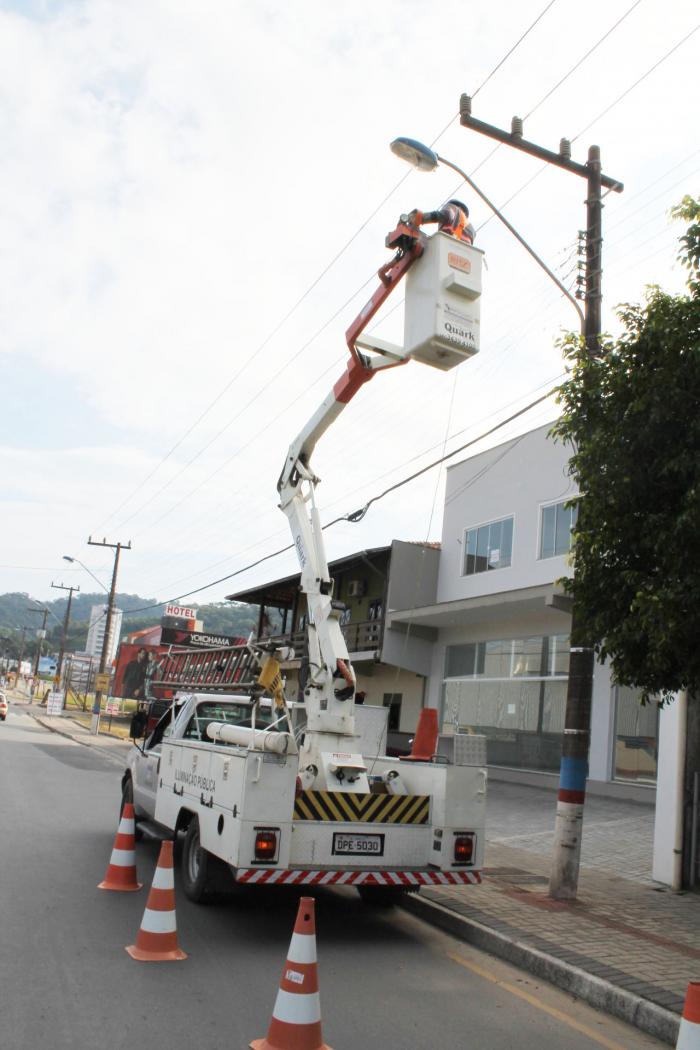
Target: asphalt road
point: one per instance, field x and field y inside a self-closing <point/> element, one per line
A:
<point x="387" y="980"/>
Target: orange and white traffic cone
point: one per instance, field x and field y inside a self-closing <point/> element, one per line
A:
<point x="689" y="1031"/>
<point x="296" y="1017"/>
<point x="121" y="871"/>
<point x="156" y="940"/>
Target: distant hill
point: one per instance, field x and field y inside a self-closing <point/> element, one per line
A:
<point x="15" y="612"/>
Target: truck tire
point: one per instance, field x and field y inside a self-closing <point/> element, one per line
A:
<point x="128" y="796"/>
<point x="381" y="896"/>
<point x="204" y="877"/>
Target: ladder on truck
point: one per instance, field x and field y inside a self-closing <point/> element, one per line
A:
<point x="209" y="670"/>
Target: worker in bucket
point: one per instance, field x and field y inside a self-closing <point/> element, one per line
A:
<point x="452" y="218"/>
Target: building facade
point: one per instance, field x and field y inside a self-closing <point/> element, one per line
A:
<point x="499" y="620"/>
<point x="96" y="632"/>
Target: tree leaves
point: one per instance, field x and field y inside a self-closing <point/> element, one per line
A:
<point x="632" y="417"/>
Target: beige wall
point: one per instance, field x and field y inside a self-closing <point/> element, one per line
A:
<point x="385" y="679"/>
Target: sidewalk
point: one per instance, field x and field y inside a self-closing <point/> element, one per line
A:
<point x="64" y="725"/>
<point x="627" y="945"/>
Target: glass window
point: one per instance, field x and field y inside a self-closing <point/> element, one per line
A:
<point x="513" y="691"/>
<point x="636" y="736"/>
<point x="558" y="520"/>
<point x="488" y="547"/>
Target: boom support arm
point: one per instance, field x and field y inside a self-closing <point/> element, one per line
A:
<point x="330" y="687"/>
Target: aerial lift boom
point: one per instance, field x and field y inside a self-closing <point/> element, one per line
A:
<point x="330" y="688"/>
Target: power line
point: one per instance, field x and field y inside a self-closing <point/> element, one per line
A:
<point x="636" y="83"/>
<point x="359" y="514"/>
<point x="311" y="287"/>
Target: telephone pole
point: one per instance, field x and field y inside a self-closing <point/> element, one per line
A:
<point x="66" y="621"/>
<point x="563" y="884"/>
<point x="117" y="548"/>
<point x="40" y="635"/>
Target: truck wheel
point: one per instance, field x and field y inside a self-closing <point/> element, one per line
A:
<point x="128" y="796"/>
<point x="203" y="876"/>
<point x="381" y="896"/>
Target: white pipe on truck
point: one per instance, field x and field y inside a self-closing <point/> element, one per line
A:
<point x="254" y="739"/>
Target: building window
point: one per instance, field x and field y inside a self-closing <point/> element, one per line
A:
<point x="557" y="523"/>
<point x="488" y="547"/>
<point x="512" y="690"/>
<point x="636" y="737"/>
<point x="393" y="702"/>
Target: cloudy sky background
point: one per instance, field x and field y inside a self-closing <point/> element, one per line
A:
<point x="176" y="178"/>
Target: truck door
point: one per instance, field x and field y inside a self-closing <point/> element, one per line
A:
<point x="145" y="773"/>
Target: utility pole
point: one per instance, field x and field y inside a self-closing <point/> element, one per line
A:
<point x="40" y="635"/>
<point x="19" y="658"/>
<point x="563" y="884"/>
<point x="64" y="634"/>
<point x="117" y="548"/>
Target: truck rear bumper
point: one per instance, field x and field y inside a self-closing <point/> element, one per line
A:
<point x="324" y="877"/>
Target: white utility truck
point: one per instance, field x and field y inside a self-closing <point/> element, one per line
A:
<point x="280" y="793"/>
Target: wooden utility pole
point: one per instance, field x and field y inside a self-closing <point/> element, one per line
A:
<point x="117" y="548"/>
<point x="40" y="635"/>
<point x="66" y="622"/>
<point x="563" y="883"/>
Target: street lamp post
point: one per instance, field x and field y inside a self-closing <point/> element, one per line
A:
<point x="117" y="548"/>
<point x="64" y="633"/>
<point x="563" y="882"/>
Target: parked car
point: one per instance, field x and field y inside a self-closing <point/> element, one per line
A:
<point x="4" y="707"/>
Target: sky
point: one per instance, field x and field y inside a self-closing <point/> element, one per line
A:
<point x="195" y="200"/>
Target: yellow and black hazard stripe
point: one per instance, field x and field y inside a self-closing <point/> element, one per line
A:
<point x="362" y="807"/>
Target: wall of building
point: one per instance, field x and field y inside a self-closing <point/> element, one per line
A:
<point x="515" y="478"/>
<point x="383" y="680"/>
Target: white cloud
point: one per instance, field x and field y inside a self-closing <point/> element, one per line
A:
<point x="176" y="174"/>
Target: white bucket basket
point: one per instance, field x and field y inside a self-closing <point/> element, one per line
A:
<point x="443" y="289"/>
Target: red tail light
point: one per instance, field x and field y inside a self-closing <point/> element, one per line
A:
<point x="266" y="845"/>
<point x="464" y="849"/>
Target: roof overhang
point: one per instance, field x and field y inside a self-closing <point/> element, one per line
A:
<point x="486" y="608"/>
<point x="284" y="590"/>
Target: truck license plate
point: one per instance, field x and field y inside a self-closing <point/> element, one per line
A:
<point x="358" y="845"/>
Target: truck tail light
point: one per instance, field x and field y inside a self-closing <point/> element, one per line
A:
<point x="464" y="848"/>
<point x="265" y="845"/>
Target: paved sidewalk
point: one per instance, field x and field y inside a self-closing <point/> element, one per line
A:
<point x="64" y="725"/>
<point x="627" y="945"/>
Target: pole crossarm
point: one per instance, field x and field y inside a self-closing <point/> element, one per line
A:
<point x="509" y="138"/>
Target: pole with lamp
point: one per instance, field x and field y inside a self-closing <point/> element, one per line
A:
<point x="40" y="635"/>
<point x="64" y="633"/>
<point x="104" y="656"/>
<point x="576" y="740"/>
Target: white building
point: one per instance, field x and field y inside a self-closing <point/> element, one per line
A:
<point x="499" y="625"/>
<point x="96" y="632"/>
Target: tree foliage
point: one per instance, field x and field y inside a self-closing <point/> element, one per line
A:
<point x="632" y="417"/>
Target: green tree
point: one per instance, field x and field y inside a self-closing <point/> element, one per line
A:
<point x="632" y="417"/>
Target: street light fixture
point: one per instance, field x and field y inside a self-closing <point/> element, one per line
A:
<point x="67" y="557"/>
<point x="422" y="158"/>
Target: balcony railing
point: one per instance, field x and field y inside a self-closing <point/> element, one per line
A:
<point x="363" y="636"/>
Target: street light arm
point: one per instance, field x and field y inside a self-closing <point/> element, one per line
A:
<point x="517" y="236"/>
<point x="66" y="557"/>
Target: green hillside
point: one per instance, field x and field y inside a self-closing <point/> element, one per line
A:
<point x="17" y="611"/>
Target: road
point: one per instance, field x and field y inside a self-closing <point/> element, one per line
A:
<point x="387" y="980"/>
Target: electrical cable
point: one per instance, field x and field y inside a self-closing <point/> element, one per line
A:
<point x="359" y="514"/>
<point x="314" y="284"/>
<point x="636" y="83"/>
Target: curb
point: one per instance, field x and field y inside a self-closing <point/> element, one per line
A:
<point x="107" y="751"/>
<point x="610" y="998"/>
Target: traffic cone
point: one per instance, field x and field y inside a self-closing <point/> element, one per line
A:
<point x="296" y="1017"/>
<point x="121" y="871"/>
<point x="689" y="1031"/>
<point x="156" y="940"/>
